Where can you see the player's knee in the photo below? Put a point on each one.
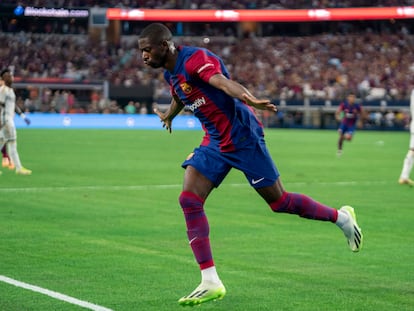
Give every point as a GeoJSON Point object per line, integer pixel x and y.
{"type": "Point", "coordinates": [182, 199]}
{"type": "Point", "coordinates": [348, 137]}
{"type": "Point", "coordinates": [190, 201]}
{"type": "Point", "coordinates": [281, 205]}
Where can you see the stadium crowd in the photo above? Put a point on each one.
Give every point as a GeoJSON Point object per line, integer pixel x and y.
{"type": "Point", "coordinates": [213, 4]}
{"type": "Point", "coordinates": [323, 66]}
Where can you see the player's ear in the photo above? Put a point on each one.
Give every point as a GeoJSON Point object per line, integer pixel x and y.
{"type": "Point", "coordinates": [169, 44]}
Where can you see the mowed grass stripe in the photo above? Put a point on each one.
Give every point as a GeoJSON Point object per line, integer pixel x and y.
{"type": "Point", "coordinates": [179, 186]}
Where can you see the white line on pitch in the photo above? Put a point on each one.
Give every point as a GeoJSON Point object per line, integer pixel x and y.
{"type": "Point", "coordinates": [178, 186]}
{"type": "Point", "coordinates": [53, 294]}
{"type": "Point", "coordinates": [80, 188]}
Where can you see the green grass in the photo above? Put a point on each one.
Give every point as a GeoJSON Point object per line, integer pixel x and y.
{"type": "Point", "coordinates": [99, 221]}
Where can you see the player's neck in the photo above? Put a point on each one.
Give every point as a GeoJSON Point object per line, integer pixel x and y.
{"type": "Point", "coordinates": [171, 60]}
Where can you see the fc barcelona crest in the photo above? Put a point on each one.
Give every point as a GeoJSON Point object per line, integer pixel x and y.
{"type": "Point", "coordinates": [186, 87]}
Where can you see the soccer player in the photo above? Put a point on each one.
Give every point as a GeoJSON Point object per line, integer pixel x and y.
{"type": "Point", "coordinates": [6, 161]}
{"type": "Point", "coordinates": [234, 138]}
{"type": "Point", "coordinates": [347, 114]}
{"type": "Point", "coordinates": [8, 133]}
{"type": "Point", "coordinates": [409, 158]}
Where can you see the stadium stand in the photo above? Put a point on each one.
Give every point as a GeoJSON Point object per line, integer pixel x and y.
{"type": "Point", "coordinates": [374, 60]}
{"type": "Point", "coordinates": [214, 4]}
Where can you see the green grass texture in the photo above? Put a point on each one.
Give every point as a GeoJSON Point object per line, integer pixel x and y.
{"type": "Point", "coordinates": [99, 220]}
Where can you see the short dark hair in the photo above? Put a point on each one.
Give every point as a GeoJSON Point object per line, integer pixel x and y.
{"type": "Point", "coordinates": [4, 71]}
{"type": "Point", "coordinates": [156, 32]}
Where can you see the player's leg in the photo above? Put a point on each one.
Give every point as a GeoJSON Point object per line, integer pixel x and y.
{"type": "Point", "coordinates": [203, 173]}
{"type": "Point", "coordinates": [408, 165]}
{"type": "Point", "coordinates": [281, 201]}
{"type": "Point", "coordinates": [5, 157]}
{"type": "Point", "coordinates": [263, 175]}
{"type": "Point", "coordinates": [348, 136]}
{"type": "Point", "coordinates": [272, 191]}
{"type": "Point", "coordinates": [14, 155]}
{"type": "Point", "coordinates": [195, 191]}
{"type": "Point", "coordinates": [10, 135]}
{"type": "Point", "coordinates": [349, 133]}
{"type": "Point", "coordinates": [2, 144]}
{"type": "Point", "coordinates": [6, 160]}
{"type": "Point", "coordinates": [340, 141]}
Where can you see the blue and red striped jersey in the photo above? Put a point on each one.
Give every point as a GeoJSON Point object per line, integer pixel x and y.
{"type": "Point", "coordinates": [228, 123]}
{"type": "Point", "coordinates": [351, 112]}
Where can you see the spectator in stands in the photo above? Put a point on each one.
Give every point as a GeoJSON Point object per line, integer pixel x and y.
{"type": "Point", "coordinates": [322, 66]}
{"type": "Point", "coordinates": [299, 63]}
{"type": "Point", "coordinates": [130, 107]}
{"type": "Point", "coordinates": [209, 4]}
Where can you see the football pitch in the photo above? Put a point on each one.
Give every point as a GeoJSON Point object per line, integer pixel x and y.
{"type": "Point", "coordinates": [98, 225]}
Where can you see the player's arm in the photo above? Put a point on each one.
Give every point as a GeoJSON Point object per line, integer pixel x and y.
{"type": "Point", "coordinates": [236, 90]}
{"type": "Point", "coordinates": [2, 99]}
{"type": "Point", "coordinates": [173, 110]}
{"type": "Point", "coordinates": [2, 103]}
{"type": "Point", "coordinates": [21, 114]}
{"type": "Point", "coordinates": [339, 113]}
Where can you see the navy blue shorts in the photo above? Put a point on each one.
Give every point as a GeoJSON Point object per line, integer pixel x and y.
{"type": "Point", "coordinates": [253, 160]}
{"type": "Point", "coordinates": [346, 129]}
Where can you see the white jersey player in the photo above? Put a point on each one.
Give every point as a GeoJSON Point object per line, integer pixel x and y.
{"type": "Point", "coordinates": [8, 134]}
{"type": "Point", "coordinates": [409, 158]}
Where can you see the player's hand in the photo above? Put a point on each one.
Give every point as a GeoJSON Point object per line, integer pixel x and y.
{"type": "Point", "coordinates": [166, 122]}
{"type": "Point", "coordinates": [262, 104]}
{"type": "Point", "coordinates": [339, 116]}
{"type": "Point", "coordinates": [27, 120]}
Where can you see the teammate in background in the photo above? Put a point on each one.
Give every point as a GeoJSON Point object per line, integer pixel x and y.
{"type": "Point", "coordinates": [8, 133]}
{"type": "Point", "coordinates": [347, 114]}
{"type": "Point", "coordinates": [234, 138]}
{"type": "Point", "coordinates": [409, 158]}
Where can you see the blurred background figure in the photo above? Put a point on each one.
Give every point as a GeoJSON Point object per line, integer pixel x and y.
{"type": "Point", "coordinates": [347, 114]}
{"type": "Point", "coordinates": [8, 134]}
{"type": "Point", "coordinates": [409, 158]}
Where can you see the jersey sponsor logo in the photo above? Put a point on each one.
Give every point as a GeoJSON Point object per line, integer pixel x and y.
{"type": "Point", "coordinates": [349, 115]}
{"type": "Point", "coordinates": [197, 103]}
{"type": "Point", "coordinates": [186, 87]}
{"type": "Point", "coordinates": [256, 181]}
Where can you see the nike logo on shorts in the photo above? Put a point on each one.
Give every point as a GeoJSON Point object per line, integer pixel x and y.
{"type": "Point", "coordinates": [256, 181]}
